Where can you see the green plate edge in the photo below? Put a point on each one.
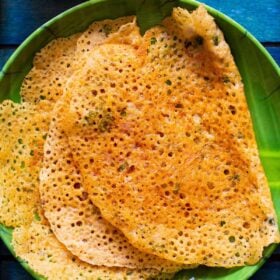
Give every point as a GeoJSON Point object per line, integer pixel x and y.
{"type": "Point", "coordinates": [6, 236]}
{"type": "Point", "coordinates": [247, 50]}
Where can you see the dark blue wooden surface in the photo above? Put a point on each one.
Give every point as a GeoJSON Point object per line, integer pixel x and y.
{"type": "Point", "coordinates": [18, 18]}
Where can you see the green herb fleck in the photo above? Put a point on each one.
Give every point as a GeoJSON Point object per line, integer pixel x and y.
{"type": "Point", "coordinates": [107, 29]}
{"type": "Point", "coordinates": [37, 217]}
{"type": "Point", "coordinates": [31, 153]}
{"type": "Point", "coordinates": [225, 79]}
{"type": "Point", "coordinates": [22, 165]}
{"type": "Point", "coordinates": [222, 223]}
{"type": "Point", "coordinates": [45, 136]}
{"type": "Point", "coordinates": [177, 188]}
{"type": "Point", "coordinates": [168, 82]}
{"type": "Point", "coordinates": [240, 135]}
{"type": "Point", "coordinates": [123, 112]}
{"type": "Point", "coordinates": [20, 141]}
{"type": "Point", "coordinates": [105, 123]}
{"type": "Point", "coordinates": [42, 97]}
{"type": "Point", "coordinates": [235, 177]}
{"type": "Point", "coordinates": [231, 239]}
{"type": "Point", "coordinates": [129, 272]}
{"type": "Point", "coordinates": [91, 117]}
{"type": "Point", "coordinates": [216, 40]}
{"type": "Point", "coordinates": [123, 166]}
{"type": "Point", "coordinates": [101, 118]}
{"type": "Point", "coordinates": [153, 40]}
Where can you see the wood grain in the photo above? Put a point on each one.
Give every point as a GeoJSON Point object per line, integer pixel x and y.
{"type": "Point", "coordinates": [275, 53]}
{"type": "Point", "coordinates": [12, 270]}
{"type": "Point", "coordinates": [4, 55]}
{"type": "Point", "coordinates": [18, 18]}
{"type": "Point", "coordinates": [261, 18]}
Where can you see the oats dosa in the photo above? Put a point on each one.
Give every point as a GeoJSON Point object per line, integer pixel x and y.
{"type": "Point", "coordinates": [75, 221]}
{"type": "Point", "coordinates": [38, 246]}
{"type": "Point", "coordinates": [23, 131]}
{"type": "Point", "coordinates": [163, 138]}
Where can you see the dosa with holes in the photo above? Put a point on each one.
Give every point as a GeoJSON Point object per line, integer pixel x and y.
{"type": "Point", "coordinates": [38, 246]}
{"type": "Point", "coordinates": [51, 67]}
{"type": "Point", "coordinates": [55, 63]}
{"type": "Point", "coordinates": [24, 128]}
{"type": "Point", "coordinates": [160, 130]}
{"type": "Point", "coordinates": [76, 222]}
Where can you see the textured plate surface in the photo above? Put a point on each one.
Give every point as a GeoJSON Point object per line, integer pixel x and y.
{"type": "Point", "coordinates": [261, 77]}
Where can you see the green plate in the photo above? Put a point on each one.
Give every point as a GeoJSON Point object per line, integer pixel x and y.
{"type": "Point", "coordinates": [260, 74]}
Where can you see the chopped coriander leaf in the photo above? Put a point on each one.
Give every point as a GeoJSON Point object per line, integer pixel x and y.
{"type": "Point", "coordinates": [105, 123]}
{"type": "Point", "coordinates": [168, 82]}
{"type": "Point", "coordinates": [225, 79]}
{"type": "Point", "coordinates": [240, 135]}
{"type": "Point", "coordinates": [177, 188]}
{"type": "Point", "coordinates": [215, 40]}
{"type": "Point", "coordinates": [101, 118]}
{"type": "Point", "coordinates": [153, 40]}
{"type": "Point", "coordinates": [31, 153]}
{"type": "Point", "coordinates": [222, 223]}
{"type": "Point", "coordinates": [107, 29]}
{"type": "Point", "coordinates": [42, 97]}
{"type": "Point", "coordinates": [235, 177]}
{"type": "Point", "coordinates": [91, 117]}
{"type": "Point", "coordinates": [231, 239]}
{"type": "Point", "coordinates": [20, 141]}
{"type": "Point", "coordinates": [123, 166]}
{"type": "Point", "coordinates": [37, 217]}
{"type": "Point", "coordinates": [123, 112]}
